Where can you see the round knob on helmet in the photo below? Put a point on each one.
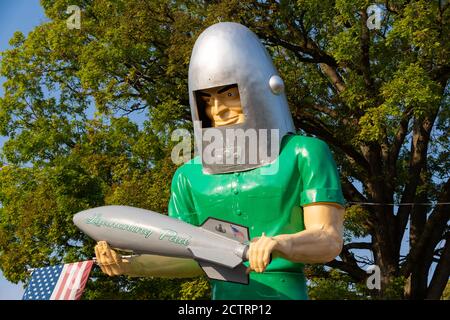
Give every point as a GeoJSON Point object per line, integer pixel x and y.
{"type": "Point", "coordinates": [276, 84]}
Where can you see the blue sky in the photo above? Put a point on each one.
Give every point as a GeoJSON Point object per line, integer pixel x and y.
{"type": "Point", "coordinates": [16, 15]}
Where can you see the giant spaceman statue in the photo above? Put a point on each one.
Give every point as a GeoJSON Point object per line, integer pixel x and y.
{"type": "Point", "coordinates": [291, 200]}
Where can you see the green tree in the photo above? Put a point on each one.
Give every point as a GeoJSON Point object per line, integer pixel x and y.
{"type": "Point", "coordinates": [446, 293]}
{"type": "Point", "coordinates": [378, 97]}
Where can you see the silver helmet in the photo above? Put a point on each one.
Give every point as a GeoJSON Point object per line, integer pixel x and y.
{"type": "Point", "coordinates": [226, 54]}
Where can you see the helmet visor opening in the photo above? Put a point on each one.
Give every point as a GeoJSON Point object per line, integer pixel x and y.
{"type": "Point", "coordinates": [219, 106]}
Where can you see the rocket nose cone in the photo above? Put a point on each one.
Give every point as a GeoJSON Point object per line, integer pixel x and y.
{"type": "Point", "coordinates": [79, 219]}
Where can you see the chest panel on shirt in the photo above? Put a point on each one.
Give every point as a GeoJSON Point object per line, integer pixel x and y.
{"type": "Point", "coordinates": [263, 202]}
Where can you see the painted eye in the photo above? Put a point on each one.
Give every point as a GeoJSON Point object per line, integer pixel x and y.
{"type": "Point", "coordinates": [230, 94]}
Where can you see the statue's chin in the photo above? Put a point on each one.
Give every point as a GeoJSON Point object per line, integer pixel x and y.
{"type": "Point", "coordinates": [234, 120]}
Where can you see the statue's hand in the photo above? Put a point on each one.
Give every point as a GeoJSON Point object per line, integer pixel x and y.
{"type": "Point", "coordinates": [259, 252]}
{"type": "Point", "coordinates": [109, 261]}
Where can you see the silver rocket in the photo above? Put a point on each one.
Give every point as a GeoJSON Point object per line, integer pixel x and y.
{"type": "Point", "coordinates": [220, 247]}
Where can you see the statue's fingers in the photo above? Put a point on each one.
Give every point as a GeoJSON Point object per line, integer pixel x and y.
{"type": "Point", "coordinates": [252, 257]}
{"type": "Point", "coordinates": [260, 259]}
{"type": "Point", "coordinates": [107, 259]}
{"type": "Point", "coordinates": [100, 254]}
{"type": "Point", "coordinates": [97, 256]}
{"type": "Point", "coordinates": [99, 250]}
{"type": "Point", "coordinates": [106, 269]}
{"type": "Point", "coordinates": [255, 239]}
{"type": "Point", "coordinates": [97, 253]}
{"type": "Point", "coordinates": [248, 270]}
{"type": "Point", "coordinates": [266, 259]}
{"type": "Point", "coordinates": [105, 245]}
{"type": "Point", "coordinates": [117, 258]}
{"type": "Point", "coordinates": [116, 266]}
{"type": "Point", "coordinates": [106, 254]}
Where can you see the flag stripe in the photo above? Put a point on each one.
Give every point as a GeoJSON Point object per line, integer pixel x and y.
{"type": "Point", "coordinates": [64, 281]}
{"type": "Point", "coordinates": [76, 282]}
{"type": "Point", "coordinates": [74, 285]}
{"type": "Point", "coordinates": [68, 285]}
{"type": "Point", "coordinates": [59, 286]}
{"type": "Point", "coordinates": [84, 277]}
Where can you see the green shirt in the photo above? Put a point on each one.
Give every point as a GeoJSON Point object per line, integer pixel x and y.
{"type": "Point", "coordinates": [304, 173]}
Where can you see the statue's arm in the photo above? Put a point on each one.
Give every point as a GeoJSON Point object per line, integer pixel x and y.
{"type": "Point", "coordinates": [113, 264]}
{"type": "Point", "coordinates": [320, 242]}
{"type": "Point", "coordinates": [322, 239]}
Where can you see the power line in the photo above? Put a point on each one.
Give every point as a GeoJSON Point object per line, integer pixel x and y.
{"type": "Point", "coordinates": [400, 204]}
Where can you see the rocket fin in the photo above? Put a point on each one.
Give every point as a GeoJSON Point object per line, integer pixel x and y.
{"type": "Point", "coordinates": [227, 229]}
{"type": "Point", "coordinates": [225, 259]}
{"type": "Point", "coordinates": [217, 272]}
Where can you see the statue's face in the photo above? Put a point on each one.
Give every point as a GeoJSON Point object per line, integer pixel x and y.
{"type": "Point", "coordinates": [223, 105]}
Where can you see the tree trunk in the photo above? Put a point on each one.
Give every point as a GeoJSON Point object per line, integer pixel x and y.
{"type": "Point", "coordinates": [385, 258]}
{"type": "Point", "coordinates": [441, 274]}
{"type": "Point", "coordinates": [419, 274]}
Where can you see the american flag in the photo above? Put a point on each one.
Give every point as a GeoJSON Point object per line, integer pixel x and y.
{"type": "Point", "coordinates": [62, 282]}
{"type": "Point", "coordinates": [236, 232]}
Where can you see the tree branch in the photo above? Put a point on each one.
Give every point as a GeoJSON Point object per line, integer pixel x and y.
{"type": "Point", "coordinates": [358, 245]}
{"type": "Point", "coordinates": [349, 265]}
{"type": "Point", "coordinates": [396, 8]}
{"type": "Point", "coordinates": [297, 50]}
{"type": "Point", "coordinates": [441, 74]}
{"type": "Point", "coordinates": [365, 49]}
{"type": "Point", "coordinates": [332, 113]}
{"type": "Point", "coordinates": [351, 192]}
{"type": "Point", "coordinates": [333, 76]}
{"type": "Point", "coordinates": [327, 63]}
{"type": "Point", "coordinates": [398, 142]}
{"type": "Point", "coordinates": [419, 148]}
{"type": "Point", "coordinates": [390, 8]}
{"type": "Point", "coordinates": [441, 274]}
{"type": "Point", "coordinates": [432, 233]}
{"type": "Point", "coordinates": [355, 272]}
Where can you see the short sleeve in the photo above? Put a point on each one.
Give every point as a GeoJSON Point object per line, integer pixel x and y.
{"type": "Point", "coordinates": [318, 172]}
{"type": "Point", "coordinates": [181, 204]}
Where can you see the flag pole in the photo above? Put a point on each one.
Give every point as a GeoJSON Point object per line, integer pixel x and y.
{"type": "Point", "coordinates": [94, 258]}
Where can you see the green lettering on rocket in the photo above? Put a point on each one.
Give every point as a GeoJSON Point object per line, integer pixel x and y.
{"type": "Point", "coordinates": [166, 234]}
{"type": "Point", "coordinates": [172, 236]}
{"type": "Point", "coordinates": [98, 221]}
